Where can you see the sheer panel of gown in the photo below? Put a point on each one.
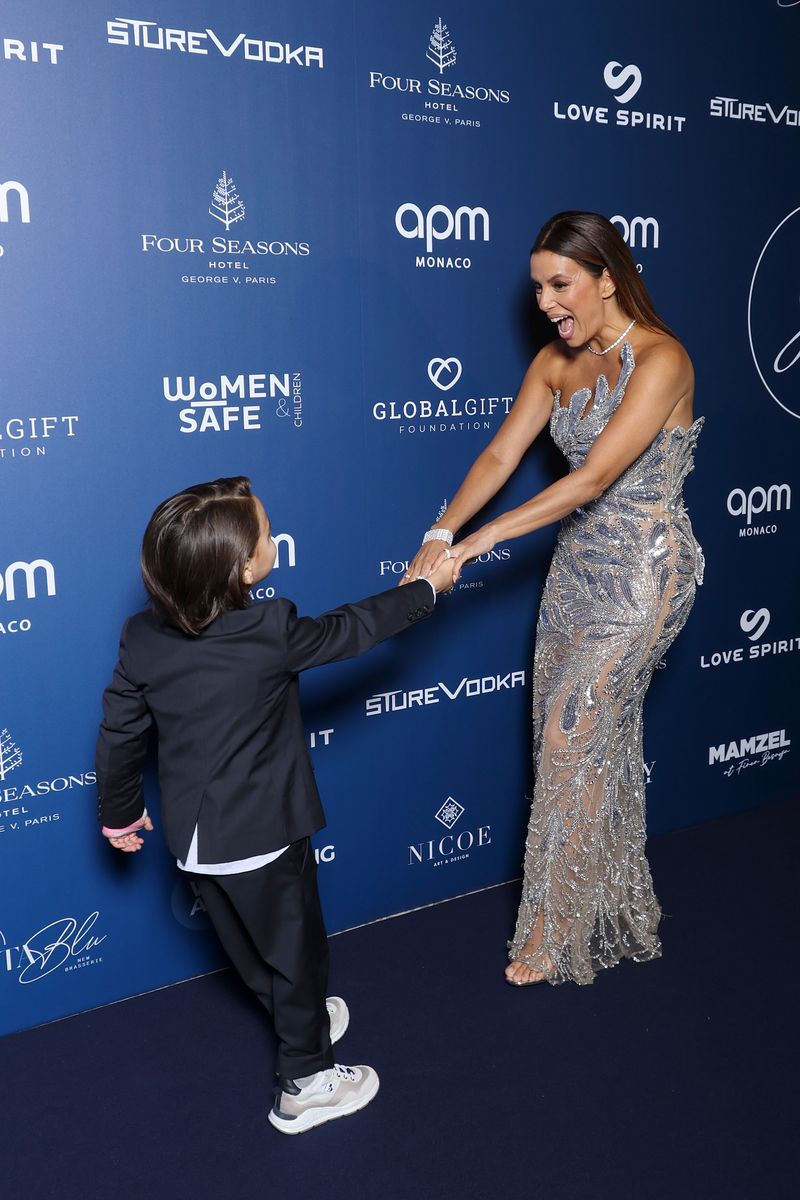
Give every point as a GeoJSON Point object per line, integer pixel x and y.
{"type": "Point", "coordinates": [619, 589]}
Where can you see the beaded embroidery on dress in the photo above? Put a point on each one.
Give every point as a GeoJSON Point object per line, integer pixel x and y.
{"type": "Point", "coordinates": [619, 590]}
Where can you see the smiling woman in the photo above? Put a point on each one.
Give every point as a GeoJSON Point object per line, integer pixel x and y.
{"type": "Point", "coordinates": [620, 587]}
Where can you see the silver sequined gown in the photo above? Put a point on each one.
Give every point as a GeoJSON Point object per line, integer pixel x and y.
{"type": "Point", "coordinates": [619, 590]}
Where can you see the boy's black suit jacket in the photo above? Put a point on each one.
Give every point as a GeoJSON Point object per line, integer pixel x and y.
{"type": "Point", "coordinates": [232, 757]}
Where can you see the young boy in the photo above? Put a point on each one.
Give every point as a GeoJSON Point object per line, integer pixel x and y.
{"type": "Point", "coordinates": [216, 677]}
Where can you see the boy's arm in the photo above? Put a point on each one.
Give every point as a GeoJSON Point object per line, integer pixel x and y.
{"type": "Point", "coordinates": [121, 750]}
{"type": "Point", "coordinates": [354, 628]}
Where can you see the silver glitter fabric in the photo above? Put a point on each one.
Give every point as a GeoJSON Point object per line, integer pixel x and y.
{"type": "Point", "coordinates": [620, 587]}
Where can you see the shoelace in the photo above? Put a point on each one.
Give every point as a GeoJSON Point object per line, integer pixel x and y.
{"type": "Point", "coordinates": [345, 1073]}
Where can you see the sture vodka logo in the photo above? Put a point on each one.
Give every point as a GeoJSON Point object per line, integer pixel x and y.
{"type": "Point", "coordinates": [148, 35]}
{"type": "Point", "coordinates": [398, 701]}
{"type": "Point", "coordinates": [625, 83]}
{"type": "Point", "coordinates": [451, 848]}
{"type": "Point", "coordinates": [772, 318]}
{"type": "Point", "coordinates": [234, 401]}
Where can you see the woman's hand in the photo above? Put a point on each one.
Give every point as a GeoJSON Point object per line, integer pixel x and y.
{"type": "Point", "coordinates": [480, 542]}
{"type": "Point", "coordinates": [427, 559]}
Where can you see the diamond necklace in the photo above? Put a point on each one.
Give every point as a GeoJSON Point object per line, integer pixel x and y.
{"type": "Point", "coordinates": [624, 333]}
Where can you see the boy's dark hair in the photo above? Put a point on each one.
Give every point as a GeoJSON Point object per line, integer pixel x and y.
{"type": "Point", "coordinates": [195, 549]}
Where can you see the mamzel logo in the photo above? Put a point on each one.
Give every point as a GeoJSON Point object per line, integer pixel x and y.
{"type": "Point", "coordinates": [451, 848]}
{"type": "Point", "coordinates": [754, 751]}
{"type": "Point", "coordinates": [624, 82]}
{"type": "Point", "coordinates": [147, 35]}
{"type": "Point", "coordinates": [234, 401]}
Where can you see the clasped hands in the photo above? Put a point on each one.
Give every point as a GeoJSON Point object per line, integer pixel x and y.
{"type": "Point", "coordinates": [442, 564]}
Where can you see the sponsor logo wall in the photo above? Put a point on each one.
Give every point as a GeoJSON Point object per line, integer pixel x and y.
{"type": "Point", "coordinates": [312, 268]}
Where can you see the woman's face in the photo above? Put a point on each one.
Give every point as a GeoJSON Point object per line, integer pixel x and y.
{"type": "Point", "coordinates": [568, 295]}
{"type": "Point", "coordinates": [262, 560]}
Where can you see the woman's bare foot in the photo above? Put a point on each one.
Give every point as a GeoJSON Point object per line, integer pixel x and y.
{"type": "Point", "coordinates": [521, 975]}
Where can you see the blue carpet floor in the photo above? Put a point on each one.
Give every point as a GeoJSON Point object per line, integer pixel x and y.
{"type": "Point", "coordinates": [672, 1080]}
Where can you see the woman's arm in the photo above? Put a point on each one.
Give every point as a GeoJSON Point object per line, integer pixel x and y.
{"type": "Point", "coordinates": [494, 466]}
{"type": "Point", "coordinates": [661, 382]}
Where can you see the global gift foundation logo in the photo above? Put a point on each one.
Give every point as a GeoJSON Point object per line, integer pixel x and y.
{"type": "Point", "coordinates": [447, 103]}
{"type": "Point", "coordinates": [225, 260]}
{"type": "Point", "coordinates": [443, 413]}
{"type": "Point", "coordinates": [773, 319]}
{"type": "Point", "coordinates": [452, 847]}
{"type": "Point", "coordinates": [624, 82]}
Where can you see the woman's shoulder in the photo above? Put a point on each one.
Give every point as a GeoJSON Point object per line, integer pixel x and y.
{"type": "Point", "coordinates": [551, 364]}
{"type": "Point", "coordinates": [662, 351]}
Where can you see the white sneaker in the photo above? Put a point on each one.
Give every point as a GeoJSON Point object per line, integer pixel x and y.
{"type": "Point", "coordinates": [339, 1015]}
{"type": "Point", "coordinates": [337, 1092]}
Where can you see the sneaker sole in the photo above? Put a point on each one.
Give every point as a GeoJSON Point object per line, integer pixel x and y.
{"type": "Point", "coordinates": [309, 1120]}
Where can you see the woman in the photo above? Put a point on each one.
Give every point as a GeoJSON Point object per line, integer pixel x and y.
{"type": "Point", "coordinates": [620, 588]}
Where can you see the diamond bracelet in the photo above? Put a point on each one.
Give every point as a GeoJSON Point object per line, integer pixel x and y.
{"type": "Point", "coordinates": [438, 535]}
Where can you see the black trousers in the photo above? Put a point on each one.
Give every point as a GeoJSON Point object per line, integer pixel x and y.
{"type": "Point", "coordinates": [271, 927]}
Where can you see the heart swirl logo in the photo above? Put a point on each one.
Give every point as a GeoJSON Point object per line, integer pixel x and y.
{"type": "Point", "coordinates": [444, 373]}
{"type": "Point", "coordinates": [628, 78]}
{"type": "Point", "coordinates": [754, 623]}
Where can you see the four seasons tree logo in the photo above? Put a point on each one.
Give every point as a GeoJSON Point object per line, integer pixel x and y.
{"type": "Point", "coordinates": [441, 51]}
{"type": "Point", "coordinates": [10, 755]}
{"type": "Point", "coordinates": [226, 205]}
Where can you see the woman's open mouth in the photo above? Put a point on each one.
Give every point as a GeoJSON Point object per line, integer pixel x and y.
{"type": "Point", "coordinates": [566, 326]}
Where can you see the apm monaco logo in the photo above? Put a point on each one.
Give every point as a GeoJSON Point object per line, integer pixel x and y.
{"type": "Point", "coordinates": [445, 413]}
{"type": "Point", "coordinates": [286, 556]}
{"type": "Point", "coordinates": [772, 315]}
{"type": "Point", "coordinates": [439, 101]}
{"type": "Point", "coordinates": [756, 751]}
{"type": "Point", "coordinates": [231, 261]}
{"type": "Point", "coordinates": [440, 224]}
{"type": "Point", "coordinates": [392, 702]}
{"type": "Point", "coordinates": [639, 233]}
{"type": "Point", "coordinates": [43, 53]}
{"type": "Point", "coordinates": [452, 847]}
{"type": "Point", "coordinates": [65, 944]}
{"type": "Point", "coordinates": [30, 437]}
{"type": "Point", "coordinates": [28, 580]}
{"type": "Point", "coordinates": [147, 35]}
{"type": "Point", "coordinates": [15, 798]}
{"type": "Point", "coordinates": [624, 82]}
{"type": "Point", "coordinates": [15, 204]}
{"type": "Point", "coordinates": [753, 622]}
{"type": "Point", "coordinates": [775, 497]}
{"type": "Point", "coordinates": [234, 401]}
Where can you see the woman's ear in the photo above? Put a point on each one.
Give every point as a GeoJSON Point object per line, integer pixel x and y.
{"type": "Point", "coordinates": [247, 575]}
{"type": "Point", "coordinates": [607, 285]}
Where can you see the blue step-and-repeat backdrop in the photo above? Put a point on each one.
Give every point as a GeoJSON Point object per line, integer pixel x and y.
{"type": "Point", "coordinates": [289, 239]}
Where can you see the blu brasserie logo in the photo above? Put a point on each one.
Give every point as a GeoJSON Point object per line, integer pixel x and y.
{"type": "Point", "coordinates": [624, 81]}
{"type": "Point", "coordinates": [233, 400]}
{"type": "Point", "coordinates": [62, 943]}
{"type": "Point", "coordinates": [774, 343]}
{"type": "Point", "coordinates": [451, 848]}
{"type": "Point", "coordinates": [147, 35]}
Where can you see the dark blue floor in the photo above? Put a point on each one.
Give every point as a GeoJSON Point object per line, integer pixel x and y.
{"type": "Point", "coordinates": [674, 1079]}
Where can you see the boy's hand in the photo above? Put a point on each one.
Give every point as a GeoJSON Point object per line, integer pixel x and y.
{"type": "Point", "coordinates": [129, 842]}
{"type": "Point", "coordinates": [445, 576]}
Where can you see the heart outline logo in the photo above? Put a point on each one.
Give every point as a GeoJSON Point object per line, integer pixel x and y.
{"type": "Point", "coordinates": [437, 367]}
{"type": "Point", "coordinates": [629, 78]}
{"type": "Point", "coordinates": [754, 623]}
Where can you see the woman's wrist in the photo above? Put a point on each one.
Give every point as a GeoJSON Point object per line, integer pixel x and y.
{"type": "Point", "coordinates": [439, 533]}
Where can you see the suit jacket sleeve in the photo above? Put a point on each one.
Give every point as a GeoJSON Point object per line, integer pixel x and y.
{"type": "Point", "coordinates": [122, 746]}
{"type": "Point", "coordinates": [354, 628]}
